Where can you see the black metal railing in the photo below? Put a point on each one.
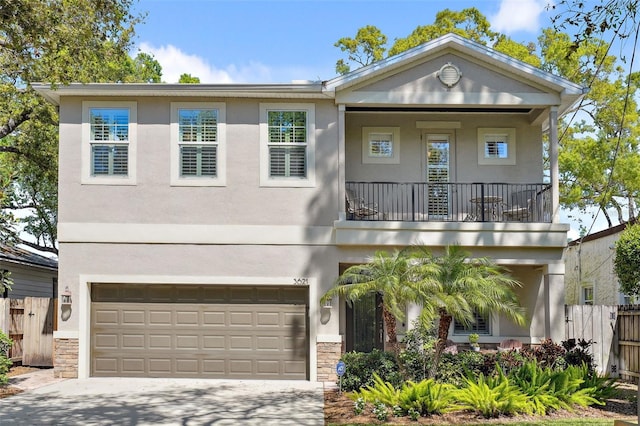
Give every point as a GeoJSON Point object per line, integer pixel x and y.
{"type": "Point", "coordinates": [448, 202]}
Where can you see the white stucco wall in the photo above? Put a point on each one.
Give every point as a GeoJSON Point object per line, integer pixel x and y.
{"type": "Point", "coordinates": [591, 264]}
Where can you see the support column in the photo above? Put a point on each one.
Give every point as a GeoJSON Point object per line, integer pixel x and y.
{"type": "Point", "coordinates": [554, 326]}
{"type": "Point", "coordinates": [341, 162]}
{"type": "Point", "coordinates": [553, 164]}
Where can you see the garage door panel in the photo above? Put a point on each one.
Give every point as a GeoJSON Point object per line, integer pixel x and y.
{"type": "Point", "coordinates": [231, 340]}
{"type": "Point", "coordinates": [160, 341]}
{"type": "Point", "coordinates": [106, 317]}
{"type": "Point", "coordinates": [160, 317]}
{"type": "Point", "coordinates": [106, 341]}
{"type": "Point", "coordinates": [187, 318]}
{"type": "Point", "coordinates": [133, 341]}
{"type": "Point", "coordinates": [133, 364]}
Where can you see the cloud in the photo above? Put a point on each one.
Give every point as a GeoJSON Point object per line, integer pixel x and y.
{"type": "Point", "coordinates": [175, 62]}
{"type": "Point", "coordinates": [518, 15]}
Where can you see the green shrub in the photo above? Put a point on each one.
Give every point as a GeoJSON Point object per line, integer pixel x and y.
{"type": "Point", "coordinates": [492, 396]}
{"type": "Point", "coordinates": [507, 362]}
{"type": "Point", "coordinates": [5, 362]}
{"type": "Point", "coordinates": [380, 391]}
{"type": "Point", "coordinates": [454, 368]}
{"type": "Point", "coordinates": [537, 384]}
{"type": "Point", "coordinates": [417, 356]}
{"type": "Point", "coordinates": [362, 365]}
{"type": "Point", "coordinates": [426, 397]}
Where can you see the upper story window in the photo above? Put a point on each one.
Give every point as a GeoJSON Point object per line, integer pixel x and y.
{"type": "Point", "coordinates": [109, 143]}
{"type": "Point", "coordinates": [497, 146]}
{"type": "Point", "coordinates": [198, 139]}
{"type": "Point", "coordinates": [287, 144]}
{"type": "Point", "coordinates": [381, 145]}
{"type": "Point", "coordinates": [587, 295]}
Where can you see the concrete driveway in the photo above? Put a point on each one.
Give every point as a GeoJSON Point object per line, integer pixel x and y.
{"type": "Point", "coordinates": [129, 401]}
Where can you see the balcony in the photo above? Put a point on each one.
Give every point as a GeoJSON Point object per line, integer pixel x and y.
{"type": "Point", "coordinates": [448, 202]}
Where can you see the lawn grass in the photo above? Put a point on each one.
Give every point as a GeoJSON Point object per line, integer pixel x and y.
{"type": "Point", "coordinates": [581, 421]}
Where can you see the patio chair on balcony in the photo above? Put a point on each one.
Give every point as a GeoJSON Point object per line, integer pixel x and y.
{"type": "Point", "coordinates": [357, 208]}
{"type": "Point", "coordinates": [521, 207]}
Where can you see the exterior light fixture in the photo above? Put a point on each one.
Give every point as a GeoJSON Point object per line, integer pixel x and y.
{"type": "Point", "coordinates": [65, 297]}
{"type": "Point", "coordinates": [328, 304]}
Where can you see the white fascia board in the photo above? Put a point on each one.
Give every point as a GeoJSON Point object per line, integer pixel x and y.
{"type": "Point", "coordinates": [53, 93]}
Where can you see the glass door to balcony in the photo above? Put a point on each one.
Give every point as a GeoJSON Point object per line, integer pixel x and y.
{"type": "Point", "coordinates": [437, 194]}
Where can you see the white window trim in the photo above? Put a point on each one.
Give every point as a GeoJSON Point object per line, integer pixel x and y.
{"type": "Point", "coordinates": [221, 178]}
{"type": "Point", "coordinates": [86, 177]}
{"type": "Point", "coordinates": [510, 135]}
{"type": "Point", "coordinates": [395, 145]}
{"type": "Point", "coordinates": [583, 299]}
{"type": "Point", "coordinates": [265, 179]}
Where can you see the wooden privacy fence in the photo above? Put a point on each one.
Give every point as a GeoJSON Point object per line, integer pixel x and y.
{"type": "Point", "coordinates": [615, 331]}
{"type": "Point", "coordinates": [29, 323]}
{"type": "Point", "coordinates": [629, 342]}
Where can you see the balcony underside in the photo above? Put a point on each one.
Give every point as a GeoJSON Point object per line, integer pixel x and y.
{"type": "Point", "coordinates": [472, 234]}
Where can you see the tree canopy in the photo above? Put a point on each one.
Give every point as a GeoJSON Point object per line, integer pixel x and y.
{"type": "Point", "coordinates": [627, 260]}
{"type": "Point", "coordinates": [57, 42]}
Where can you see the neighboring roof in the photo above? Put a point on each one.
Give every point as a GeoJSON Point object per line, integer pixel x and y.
{"type": "Point", "coordinates": [601, 234]}
{"type": "Point", "coordinates": [24, 257]}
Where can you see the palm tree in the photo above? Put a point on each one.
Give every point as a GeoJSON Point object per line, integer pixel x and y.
{"type": "Point", "coordinates": [455, 287]}
{"type": "Point", "coordinates": [384, 273]}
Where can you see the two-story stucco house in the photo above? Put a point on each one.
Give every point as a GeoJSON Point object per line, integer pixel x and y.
{"type": "Point", "coordinates": [590, 273]}
{"type": "Point", "coordinates": [199, 225]}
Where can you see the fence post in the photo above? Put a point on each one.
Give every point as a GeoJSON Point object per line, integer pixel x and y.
{"type": "Point", "coordinates": [4, 316]}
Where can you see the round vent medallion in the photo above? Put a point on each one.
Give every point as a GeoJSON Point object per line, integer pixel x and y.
{"type": "Point", "coordinates": [449, 75]}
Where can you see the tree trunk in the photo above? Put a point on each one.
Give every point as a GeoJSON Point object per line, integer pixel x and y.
{"type": "Point", "coordinates": [390, 323]}
{"type": "Point", "coordinates": [391, 326]}
{"type": "Point", "coordinates": [443, 335]}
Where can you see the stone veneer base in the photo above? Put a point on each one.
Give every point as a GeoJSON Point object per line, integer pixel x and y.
{"type": "Point", "coordinates": [329, 354]}
{"type": "Point", "coordinates": [65, 358]}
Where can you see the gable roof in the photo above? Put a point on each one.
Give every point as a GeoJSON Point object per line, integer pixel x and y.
{"type": "Point", "coordinates": [569, 92]}
{"type": "Point", "coordinates": [20, 256]}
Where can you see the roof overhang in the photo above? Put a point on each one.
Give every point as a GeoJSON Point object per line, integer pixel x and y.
{"type": "Point", "coordinates": [53, 93]}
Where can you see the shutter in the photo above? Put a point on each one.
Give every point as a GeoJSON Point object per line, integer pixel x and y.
{"type": "Point", "coordinates": [120, 160]}
{"type": "Point", "coordinates": [99, 160]}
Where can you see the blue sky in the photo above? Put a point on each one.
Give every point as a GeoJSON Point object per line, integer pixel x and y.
{"type": "Point", "coordinates": [266, 41]}
{"type": "Point", "coordinates": [277, 41]}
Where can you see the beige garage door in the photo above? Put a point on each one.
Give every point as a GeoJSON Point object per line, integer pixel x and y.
{"type": "Point", "coordinates": [199, 331]}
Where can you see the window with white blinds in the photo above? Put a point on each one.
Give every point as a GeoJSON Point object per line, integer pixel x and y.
{"type": "Point", "coordinates": [480, 326]}
{"type": "Point", "coordinates": [287, 144]}
{"type": "Point", "coordinates": [198, 137]}
{"type": "Point", "coordinates": [109, 142]}
{"type": "Point", "coordinates": [109, 138]}
{"type": "Point", "coordinates": [198, 143]}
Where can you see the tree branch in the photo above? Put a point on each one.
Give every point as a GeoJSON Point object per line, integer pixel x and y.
{"type": "Point", "coordinates": [38, 246]}
{"type": "Point", "coordinates": [14, 122]}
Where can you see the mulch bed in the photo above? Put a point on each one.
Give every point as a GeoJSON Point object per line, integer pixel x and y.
{"type": "Point", "coordinates": [338, 408]}
{"type": "Point", "coordinates": [17, 370]}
